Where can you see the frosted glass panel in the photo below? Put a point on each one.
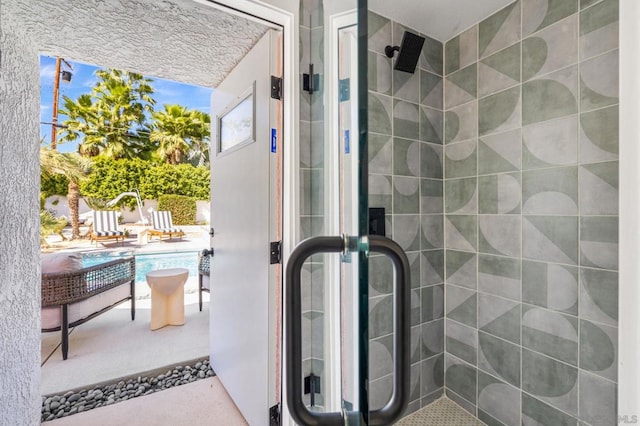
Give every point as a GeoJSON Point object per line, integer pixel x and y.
{"type": "Point", "coordinates": [236, 125]}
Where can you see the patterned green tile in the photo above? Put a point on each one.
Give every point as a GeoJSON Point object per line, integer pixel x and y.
{"type": "Point", "coordinates": [452, 55]}
{"type": "Point", "coordinates": [379, 29]}
{"type": "Point", "coordinates": [431, 90]}
{"type": "Point", "coordinates": [461, 159]}
{"type": "Point", "coordinates": [499, 71]}
{"type": "Point", "coordinates": [432, 56]}
{"type": "Point", "coordinates": [381, 192]}
{"type": "Point", "coordinates": [598, 400]}
{"type": "Point", "coordinates": [599, 81]}
{"type": "Point", "coordinates": [461, 196]}
{"type": "Point", "coordinates": [550, 238]}
{"type": "Point", "coordinates": [499, 317]}
{"type": "Point", "coordinates": [550, 333]}
{"type": "Point", "coordinates": [550, 286]}
{"type": "Point", "coordinates": [431, 161]}
{"type": "Point", "coordinates": [380, 154]}
{"type": "Point", "coordinates": [379, 73]}
{"type": "Point", "coordinates": [432, 302]}
{"type": "Point", "coordinates": [536, 17]}
{"type": "Point", "coordinates": [432, 267]}
{"type": "Point", "coordinates": [500, 30]}
{"type": "Point", "coordinates": [551, 49]}
{"type": "Point", "coordinates": [380, 110]}
{"type": "Point", "coordinates": [550, 191]}
{"type": "Point", "coordinates": [406, 86]}
{"type": "Point", "coordinates": [499, 276]}
{"type": "Point", "coordinates": [537, 412]}
{"type": "Point", "coordinates": [599, 189]}
{"type": "Point", "coordinates": [599, 242]}
{"type": "Point", "coordinates": [499, 112]}
{"type": "Point", "coordinates": [551, 381]}
{"type": "Point", "coordinates": [461, 86]}
{"type": "Point", "coordinates": [599, 296]}
{"type": "Point", "coordinates": [498, 399]}
{"type": "Point", "coordinates": [380, 276]}
{"type": "Point", "coordinates": [380, 316]}
{"type": "Point", "coordinates": [431, 199]}
{"type": "Point", "coordinates": [599, 28]}
{"type": "Point", "coordinates": [406, 157]}
{"type": "Point", "coordinates": [432, 373]}
{"type": "Point", "coordinates": [500, 152]}
{"type": "Point", "coordinates": [461, 378]}
{"type": "Point", "coordinates": [432, 338]}
{"type": "Point", "coordinates": [461, 268]}
{"type": "Point", "coordinates": [553, 96]}
{"type": "Point", "coordinates": [432, 231]}
{"type": "Point", "coordinates": [406, 195]}
{"type": "Point", "coordinates": [431, 125]}
{"type": "Point", "coordinates": [598, 349]}
{"type": "Point", "coordinates": [406, 119]}
{"type": "Point", "coordinates": [499, 234]}
{"type": "Point", "coordinates": [550, 143]}
{"type": "Point", "coordinates": [499, 194]}
{"type": "Point", "coordinates": [461, 305]}
{"type": "Point", "coordinates": [499, 358]}
{"type": "Point", "coordinates": [461, 50]}
{"type": "Point", "coordinates": [599, 135]}
{"type": "Point", "coordinates": [461, 232]}
{"type": "Point", "coordinates": [406, 231]}
{"type": "Point", "coordinates": [461, 123]}
{"type": "Point", "coordinates": [461, 341]}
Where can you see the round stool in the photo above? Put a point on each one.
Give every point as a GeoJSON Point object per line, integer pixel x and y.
{"type": "Point", "coordinates": [167, 296]}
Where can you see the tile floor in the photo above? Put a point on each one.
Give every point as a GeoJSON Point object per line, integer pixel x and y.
{"type": "Point", "coordinates": [442, 412]}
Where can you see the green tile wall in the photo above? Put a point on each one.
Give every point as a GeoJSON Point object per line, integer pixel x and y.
{"type": "Point", "coordinates": [530, 167]}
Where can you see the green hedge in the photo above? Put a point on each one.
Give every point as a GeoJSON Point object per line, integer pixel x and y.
{"type": "Point", "coordinates": [109, 178]}
{"type": "Point", "coordinates": [183, 209]}
{"type": "Point", "coordinates": [56, 184]}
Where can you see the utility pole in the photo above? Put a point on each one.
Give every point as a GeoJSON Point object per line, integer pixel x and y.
{"type": "Point", "coordinates": [56, 91]}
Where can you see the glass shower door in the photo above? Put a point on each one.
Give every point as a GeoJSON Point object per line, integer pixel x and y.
{"type": "Point", "coordinates": [326, 279]}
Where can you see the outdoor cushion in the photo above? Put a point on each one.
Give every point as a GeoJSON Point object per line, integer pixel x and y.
{"type": "Point", "coordinates": [60, 262]}
{"type": "Point", "coordinates": [162, 221]}
{"type": "Point", "coordinates": [51, 317]}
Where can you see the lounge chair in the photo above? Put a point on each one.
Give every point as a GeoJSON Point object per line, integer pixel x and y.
{"type": "Point", "coordinates": [204, 272]}
{"type": "Point", "coordinates": [162, 224]}
{"type": "Point", "coordinates": [72, 296]}
{"type": "Point", "coordinates": [105, 226]}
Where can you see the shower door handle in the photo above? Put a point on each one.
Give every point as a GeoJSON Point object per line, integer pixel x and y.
{"type": "Point", "coordinates": [394, 408]}
{"type": "Point", "coordinates": [293, 330]}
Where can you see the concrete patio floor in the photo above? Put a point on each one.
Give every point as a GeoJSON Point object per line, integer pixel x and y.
{"type": "Point", "coordinates": [111, 346]}
{"type": "Point", "coordinates": [203, 402]}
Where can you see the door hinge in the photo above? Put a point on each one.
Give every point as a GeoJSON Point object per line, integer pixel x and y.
{"type": "Point", "coordinates": [344, 90]}
{"type": "Point", "coordinates": [312, 386]}
{"type": "Point", "coordinates": [310, 81]}
{"type": "Point", "coordinates": [274, 415]}
{"type": "Point", "coordinates": [275, 252]}
{"type": "Point", "coordinates": [276, 87]}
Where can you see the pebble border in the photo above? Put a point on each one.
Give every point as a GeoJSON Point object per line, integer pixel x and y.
{"type": "Point", "coordinates": [72, 402]}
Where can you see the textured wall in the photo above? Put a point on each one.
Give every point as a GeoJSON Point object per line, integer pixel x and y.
{"type": "Point", "coordinates": [175, 40]}
{"type": "Point", "coordinates": [405, 177]}
{"type": "Point", "coordinates": [531, 204]}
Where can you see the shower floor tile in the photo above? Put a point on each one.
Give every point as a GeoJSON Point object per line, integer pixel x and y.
{"type": "Point", "coordinates": [442, 412]}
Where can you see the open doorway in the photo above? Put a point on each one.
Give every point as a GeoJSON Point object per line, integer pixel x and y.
{"type": "Point", "coordinates": [250, 31]}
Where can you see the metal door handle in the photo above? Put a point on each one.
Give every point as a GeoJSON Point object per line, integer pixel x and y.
{"type": "Point", "coordinates": [293, 331]}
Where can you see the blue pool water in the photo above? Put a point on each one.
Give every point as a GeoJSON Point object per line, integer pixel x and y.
{"type": "Point", "coordinates": [149, 262]}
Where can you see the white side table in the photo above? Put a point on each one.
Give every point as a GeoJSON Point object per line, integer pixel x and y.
{"type": "Point", "coordinates": [167, 296]}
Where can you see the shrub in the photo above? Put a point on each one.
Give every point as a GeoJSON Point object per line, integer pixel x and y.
{"type": "Point", "coordinates": [56, 184]}
{"type": "Point", "coordinates": [182, 208]}
{"type": "Point", "coordinates": [109, 178]}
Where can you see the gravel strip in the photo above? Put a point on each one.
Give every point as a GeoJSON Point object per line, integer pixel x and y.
{"type": "Point", "coordinates": [56, 406]}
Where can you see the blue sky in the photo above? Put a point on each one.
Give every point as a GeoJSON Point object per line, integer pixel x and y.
{"type": "Point", "coordinates": [166, 92]}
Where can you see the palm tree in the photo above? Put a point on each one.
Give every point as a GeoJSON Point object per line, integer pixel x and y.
{"type": "Point", "coordinates": [74, 168]}
{"type": "Point", "coordinates": [179, 131]}
{"type": "Point", "coordinates": [111, 120]}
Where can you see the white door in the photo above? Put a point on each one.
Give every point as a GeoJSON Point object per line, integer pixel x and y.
{"type": "Point", "coordinates": [245, 197]}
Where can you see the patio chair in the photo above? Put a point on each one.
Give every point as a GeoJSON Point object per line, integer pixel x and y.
{"type": "Point", "coordinates": [204, 282]}
{"type": "Point", "coordinates": [105, 226]}
{"type": "Point", "coordinates": [72, 296]}
{"type": "Point", "coordinates": [162, 224]}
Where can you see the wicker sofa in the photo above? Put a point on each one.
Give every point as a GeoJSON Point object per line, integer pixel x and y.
{"type": "Point", "coordinates": [72, 296]}
{"type": "Point", "coordinates": [204, 272]}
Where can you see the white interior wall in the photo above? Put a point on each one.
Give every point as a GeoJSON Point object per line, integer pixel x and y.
{"type": "Point", "coordinates": [154, 38]}
{"type": "Point", "coordinates": [629, 314]}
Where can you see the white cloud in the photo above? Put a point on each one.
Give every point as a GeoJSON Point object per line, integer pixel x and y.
{"type": "Point", "coordinates": [47, 72]}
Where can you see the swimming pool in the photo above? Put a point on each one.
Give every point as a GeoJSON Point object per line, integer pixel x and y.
{"type": "Point", "coordinates": [146, 262]}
